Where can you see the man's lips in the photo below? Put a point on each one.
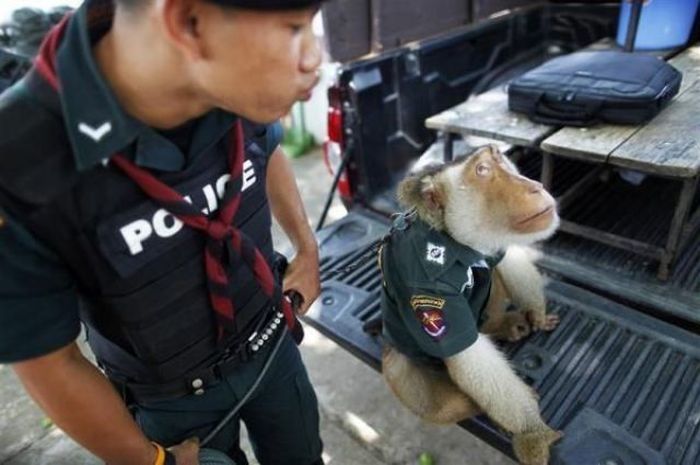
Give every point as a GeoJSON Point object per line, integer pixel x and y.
{"type": "Point", "coordinates": [306, 93]}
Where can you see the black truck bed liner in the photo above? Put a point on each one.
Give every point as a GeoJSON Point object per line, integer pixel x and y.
{"type": "Point", "coordinates": [641, 212]}
{"type": "Point", "coordinates": [623, 386]}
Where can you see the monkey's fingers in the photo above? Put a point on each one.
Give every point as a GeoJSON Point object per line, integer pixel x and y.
{"type": "Point", "coordinates": [551, 322]}
{"type": "Point", "coordinates": [533, 448]}
{"type": "Point", "coordinates": [536, 318]}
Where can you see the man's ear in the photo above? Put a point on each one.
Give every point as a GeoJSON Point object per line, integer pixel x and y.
{"type": "Point", "coordinates": [433, 194]}
{"type": "Point", "coordinates": [181, 19]}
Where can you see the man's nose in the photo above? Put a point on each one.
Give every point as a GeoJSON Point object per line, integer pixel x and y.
{"type": "Point", "coordinates": [311, 58]}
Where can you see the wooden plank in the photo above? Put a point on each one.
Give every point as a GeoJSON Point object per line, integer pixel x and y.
{"type": "Point", "coordinates": [596, 143]}
{"type": "Point", "coordinates": [487, 115]}
{"type": "Point", "coordinates": [608, 43]}
{"type": "Point", "coordinates": [688, 63]}
{"type": "Point", "coordinates": [613, 240]}
{"type": "Point", "coordinates": [669, 145]}
{"type": "Point", "coordinates": [592, 144]}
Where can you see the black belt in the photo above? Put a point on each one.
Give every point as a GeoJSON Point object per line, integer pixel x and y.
{"type": "Point", "coordinates": [200, 380]}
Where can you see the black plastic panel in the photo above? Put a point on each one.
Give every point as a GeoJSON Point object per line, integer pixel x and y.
{"type": "Point", "coordinates": [624, 387]}
{"type": "Point", "coordinates": [391, 95]}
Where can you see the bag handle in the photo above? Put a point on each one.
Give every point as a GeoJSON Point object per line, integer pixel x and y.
{"type": "Point", "coordinates": [547, 114]}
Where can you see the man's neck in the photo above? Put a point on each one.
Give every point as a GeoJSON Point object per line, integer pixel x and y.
{"type": "Point", "coordinates": [146, 76]}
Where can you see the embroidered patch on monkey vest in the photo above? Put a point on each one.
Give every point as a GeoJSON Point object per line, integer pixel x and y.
{"type": "Point", "coordinates": [435, 253]}
{"type": "Point", "coordinates": [429, 312]}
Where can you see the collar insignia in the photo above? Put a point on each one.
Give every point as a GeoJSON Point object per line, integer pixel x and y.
{"type": "Point", "coordinates": [95, 133]}
{"type": "Point", "coordinates": [435, 253]}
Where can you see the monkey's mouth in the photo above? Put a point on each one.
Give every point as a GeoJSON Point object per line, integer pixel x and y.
{"type": "Point", "coordinates": [537, 215]}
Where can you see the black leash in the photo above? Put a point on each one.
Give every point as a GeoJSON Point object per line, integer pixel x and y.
{"type": "Point", "coordinates": [402, 221]}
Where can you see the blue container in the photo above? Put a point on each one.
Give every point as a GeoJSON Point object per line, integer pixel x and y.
{"type": "Point", "coordinates": [663, 23]}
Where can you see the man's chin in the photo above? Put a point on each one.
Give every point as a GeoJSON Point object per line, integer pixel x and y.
{"type": "Point", "coordinates": [260, 117]}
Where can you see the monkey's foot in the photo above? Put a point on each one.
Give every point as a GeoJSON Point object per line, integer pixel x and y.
{"type": "Point", "coordinates": [533, 448]}
{"type": "Point", "coordinates": [539, 320]}
{"type": "Point", "coordinates": [513, 328]}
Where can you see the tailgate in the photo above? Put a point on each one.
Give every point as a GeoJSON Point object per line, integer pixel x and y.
{"type": "Point", "coordinates": [624, 387]}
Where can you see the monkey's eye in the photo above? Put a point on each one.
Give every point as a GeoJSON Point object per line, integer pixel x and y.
{"type": "Point", "coordinates": [483, 169]}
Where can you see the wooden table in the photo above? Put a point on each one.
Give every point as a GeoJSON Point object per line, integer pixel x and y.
{"type": "Point", "coordinates": [667, 146]}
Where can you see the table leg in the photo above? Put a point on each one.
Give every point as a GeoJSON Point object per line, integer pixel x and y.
{"type": "Point", "coordinates": [449, 139]}
{"type": "Point", "coordinates": [680, 216]}
{"type": "Point", "coordinates": [547, 170]}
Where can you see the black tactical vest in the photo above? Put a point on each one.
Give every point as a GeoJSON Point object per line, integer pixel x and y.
{"type": "Point", "coordinates": [140, 273]}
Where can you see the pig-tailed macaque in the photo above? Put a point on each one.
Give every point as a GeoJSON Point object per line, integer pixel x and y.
{"type": "Point", "coordinates": [447, 284]}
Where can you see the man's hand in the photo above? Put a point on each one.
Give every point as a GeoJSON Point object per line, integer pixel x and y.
{"type": "Point", "coordinates": [302, 274]}
{"type": "Point", "coordinates": [303, 277]}
{"type": "Point", "coordinates": [186, 453]}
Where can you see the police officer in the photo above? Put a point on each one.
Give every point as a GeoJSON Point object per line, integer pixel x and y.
{"type": "Point", "coordinates": [435, 292]}
{"type": "Point", "coordinates": [137, 160]}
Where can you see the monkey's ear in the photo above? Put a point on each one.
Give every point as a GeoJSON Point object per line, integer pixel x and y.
{"type": "Point", "coordinates": [433, 194]}
{"type": "Point", "coordinates": [490, 149]}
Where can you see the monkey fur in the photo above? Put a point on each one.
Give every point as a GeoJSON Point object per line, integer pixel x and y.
{"type": "Point", "coordinates": [483, 202]}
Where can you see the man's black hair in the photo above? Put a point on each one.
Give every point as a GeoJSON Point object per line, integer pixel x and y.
{"type": "Point", "coordinates": [131, 4]}
{"type": "Point", "coordinates": [253, 4]}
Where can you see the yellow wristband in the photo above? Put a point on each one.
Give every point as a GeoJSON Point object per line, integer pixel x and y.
{"type": "Point", "coordinates": [160, 454]}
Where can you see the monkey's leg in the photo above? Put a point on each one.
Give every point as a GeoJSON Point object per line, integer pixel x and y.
{"type": "Point", "coordinates": [501, 324]}
{"type": "Point", "coordinates": [427, 392]}
{"type": "Point", "coordinates": [482, 373]}
{"type": "Point", "coordinates": [525, 286]}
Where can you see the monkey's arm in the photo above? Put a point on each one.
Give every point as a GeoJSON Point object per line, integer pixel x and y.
{"type": "Point", "coordinates": [525, 286]}
{"type": "Point", "coordinates": [482, 372]}
{"type": "Point", "coordinates": [521, 278]}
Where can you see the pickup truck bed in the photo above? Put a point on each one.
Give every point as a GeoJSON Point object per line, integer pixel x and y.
{"type": "Point", "coordinates": [623, 386]}
{"type": "Point", "coordinates": [640, 212]}
{"type": "Point", "coordinates": [621, 374]}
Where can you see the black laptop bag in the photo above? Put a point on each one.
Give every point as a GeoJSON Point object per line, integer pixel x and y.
{"type": "Point", "coordinates": [588, 87]}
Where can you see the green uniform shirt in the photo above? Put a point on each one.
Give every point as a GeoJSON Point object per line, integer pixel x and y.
{"type": "Point", "coordinates": [434, 292]}
{"type": "Point", "coordinates": [38, 299]}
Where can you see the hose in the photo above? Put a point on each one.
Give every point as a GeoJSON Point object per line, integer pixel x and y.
{"type": "Point", "coordinates": [250, 392]}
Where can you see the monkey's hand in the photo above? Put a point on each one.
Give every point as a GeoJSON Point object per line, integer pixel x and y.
{"type": "Point", "coordinates": [532, 448]}
{"type": "Point", "coordinates": [540, 320]}
{"type": "Point", "coordinates": [514, 327]}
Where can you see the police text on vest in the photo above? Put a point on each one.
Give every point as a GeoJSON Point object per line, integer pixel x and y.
{"type": "Point", "coordinates": [164, 224]}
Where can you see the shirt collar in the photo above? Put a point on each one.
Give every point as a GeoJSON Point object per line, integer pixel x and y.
{"type": "Point", "coordinates": [97, 125]}
{"type": "Point", "coordinates": [446, 250]}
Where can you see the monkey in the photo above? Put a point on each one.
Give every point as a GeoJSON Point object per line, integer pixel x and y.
{"type": "Point", "coordinates": [446, 285]}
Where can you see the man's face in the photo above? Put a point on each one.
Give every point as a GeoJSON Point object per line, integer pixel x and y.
{"type": "Point", "coordinates": [255, 63]}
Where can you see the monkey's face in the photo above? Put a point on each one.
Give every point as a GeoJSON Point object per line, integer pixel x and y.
{"type": "Point", "coordinates": [493, 205]}
{"type": "Point", "coordinates": [522, 205]}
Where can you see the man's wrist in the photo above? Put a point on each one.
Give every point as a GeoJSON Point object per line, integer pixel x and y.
{"type": "Point", "coordinates": [163, 456]}
{"type": "Point", "coordinates": [308, 249]}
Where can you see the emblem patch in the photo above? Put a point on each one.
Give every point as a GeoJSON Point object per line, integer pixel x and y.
{"type": "Point", "coordinates": [428, 310]}
{"type": "Point", "coordinates": [435, 254]}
